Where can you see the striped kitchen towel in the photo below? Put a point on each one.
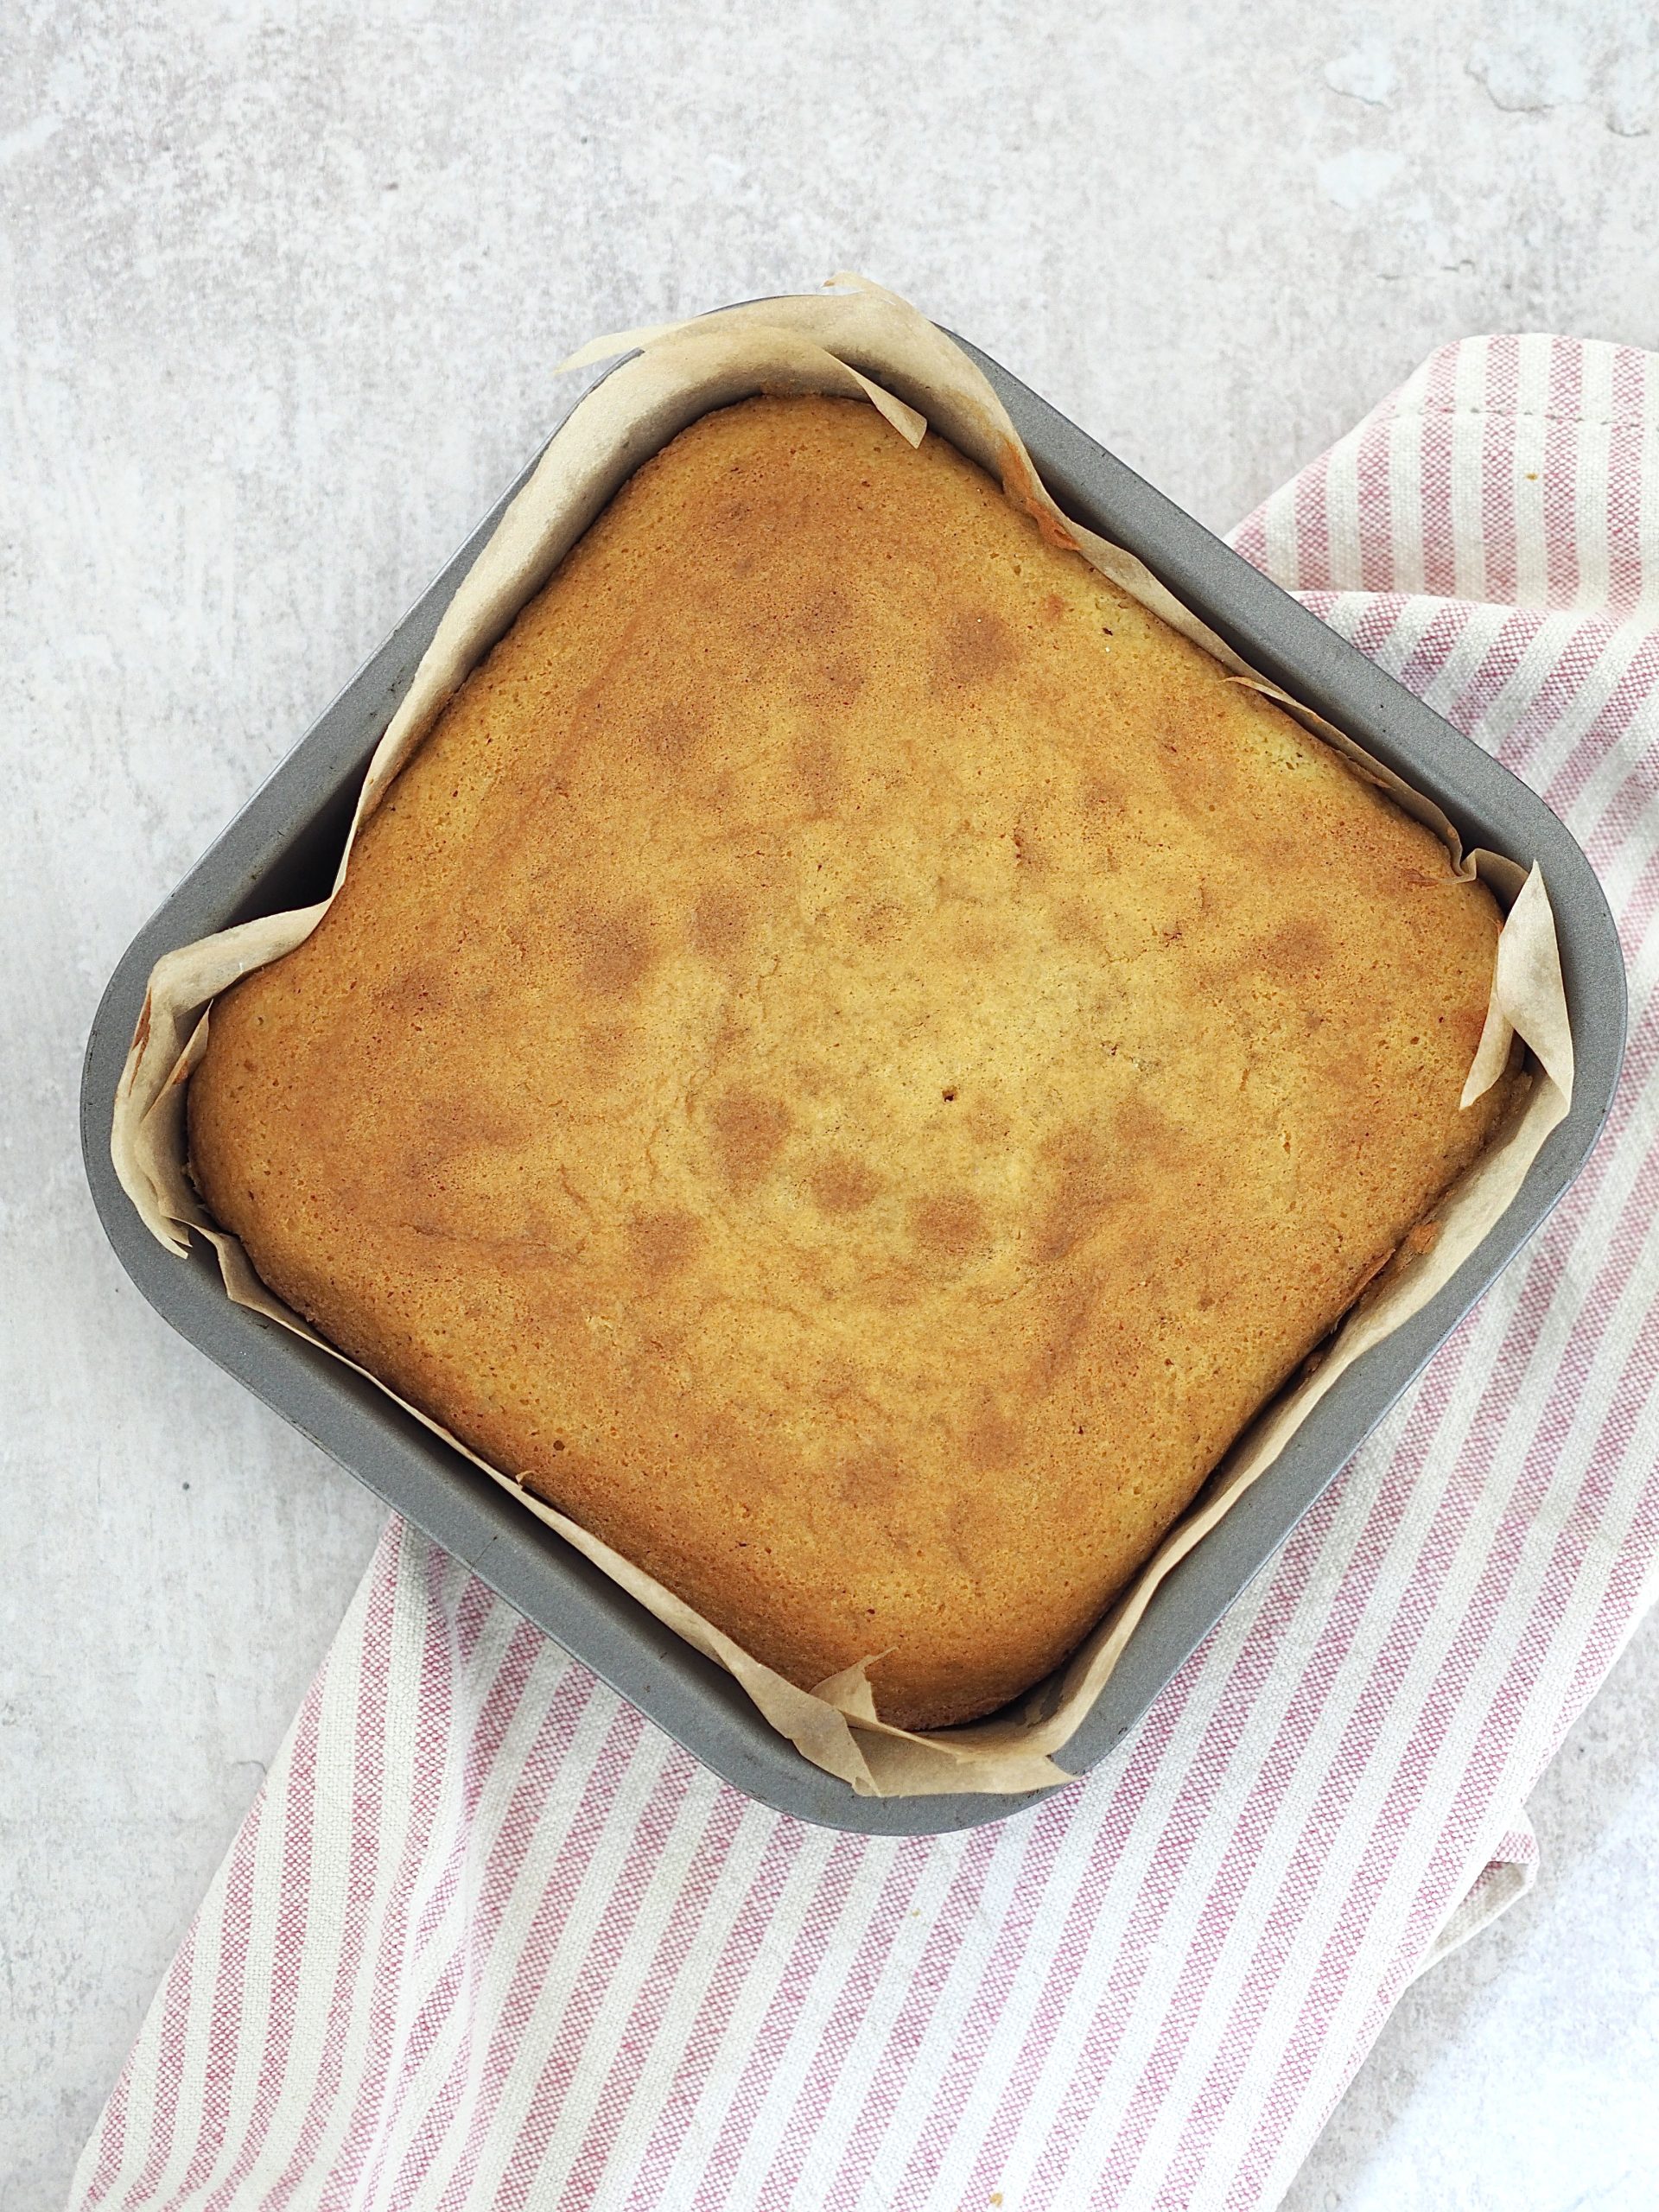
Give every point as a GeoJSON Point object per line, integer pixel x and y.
{"type": "Point", "coordinates": [486, 1939]}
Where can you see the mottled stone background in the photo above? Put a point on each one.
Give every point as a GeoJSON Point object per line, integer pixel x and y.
{"type": "Point", "coordinates": [283, 289]}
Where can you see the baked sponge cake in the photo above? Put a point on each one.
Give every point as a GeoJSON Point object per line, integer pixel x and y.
{"type": "Point", "coordinates": [854, 1059]}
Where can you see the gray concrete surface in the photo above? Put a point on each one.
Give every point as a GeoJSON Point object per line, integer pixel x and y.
{"type": "Point", "coordinates": [280, 291]}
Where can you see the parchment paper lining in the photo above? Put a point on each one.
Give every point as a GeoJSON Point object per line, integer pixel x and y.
{"type": "Point", "coordinates": [855, 339]}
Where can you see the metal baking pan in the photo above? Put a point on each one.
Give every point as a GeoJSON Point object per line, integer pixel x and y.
{"type": "Point", "coordinates": [281, 851]}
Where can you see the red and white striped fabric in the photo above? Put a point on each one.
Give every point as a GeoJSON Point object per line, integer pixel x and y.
{"type": "Point", "coordinates": [486, 1939]}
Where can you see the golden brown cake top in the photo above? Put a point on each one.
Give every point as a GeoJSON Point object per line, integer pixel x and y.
{"type": "Point", "coordinates": [854, 1059]}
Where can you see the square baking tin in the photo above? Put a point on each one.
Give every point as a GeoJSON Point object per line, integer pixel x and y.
{"type": "Point", "coordinates": [281, 850]}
